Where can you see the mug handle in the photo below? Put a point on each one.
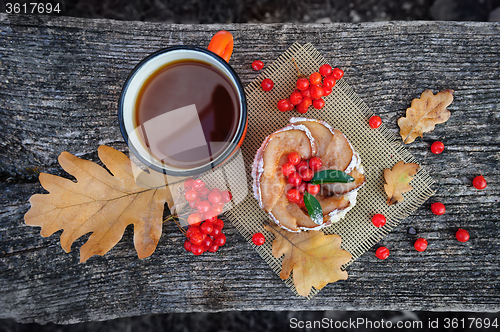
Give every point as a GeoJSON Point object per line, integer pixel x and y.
{"type": "Point", "coordinates": [222, 44]}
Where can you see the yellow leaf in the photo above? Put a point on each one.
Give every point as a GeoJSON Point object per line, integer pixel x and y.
{"type": "Point", "coordinates": [398, 179]}
{"type": "Point", "coordinates": [314, 257]}
{"type": "Point", "coordinates": [101, 204]}
{"type": "Point", "coordinates": [425, 112]}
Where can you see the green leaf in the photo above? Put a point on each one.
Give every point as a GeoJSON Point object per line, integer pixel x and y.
{"type": "Point", "coordinates": [331, 176]}
{"type": "Point", "coordinates": [314, 208]}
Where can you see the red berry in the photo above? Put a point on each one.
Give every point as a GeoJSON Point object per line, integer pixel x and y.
{"type": "Point", "coordinates": [316, 92]}
{"type": "Point", "coordinates": [203, 206]}
{"type": "Point", "coordinates": [220, 240]}
{"type": "Point", "coordinates": [315, 78]}
{"type": "Point", "coordinates": [192, 204]}
{"type": "Point", "coordinates": [267, 84]}
{"type": "Point", "coordinates": [204, 191]}
{"type": "Point", "coordinates": [307, 174]}
{"type": "Point", "coordinates": [191, 230]}
{"type": "Point", "coordinates": [437, 147]}
{"type": "Point", "coordinates": [382, 253]}
{"type": "Point", "coordinates": [212, 219]}
{"type": "Point", "coordinates": [375, 121]}
{"type": "Point", "coordinates": [378, 220]}
{"type": "Point", "coordinates": [197, 249]}
{"type": "Point", "coordinates": [258, 239]}
{"type": "Point", "coordinates": [421, 244]}
{"type": "Point", "coordinates": [302, 83]}
{"type": "Point", "coordinates": [302, 187]}
{"type": "Point", "coordinates": [197, 238]}
{"type": "Point", "coordinates": [213, 248]}
{"type": "Point", "coordinates": [226, 196]}
{"type": "Point", "coordinates": [325, 70]}
{"type": "Point", "coordinates": [301, 203]}
{"type": "Point", "coordinates": [198, 184]}
{"type": "Point", "coordinates": [290, 106]}
{"type": "Point", "coordinates": [315, 163]}
{"type": "Point", "coordinates": [327, 91]}
{"type": "Point", "coordinates": [462, 235]}
{"type": "Point", "coordinates": [215, 232]}
{"type": "Point", "coordinates": [257, 65]}
{"type": "Point", "coordinates": [194, 218]}
{"type": "Point", "coordinates": [207, 227]}
{"type": "Point", "coordinates": [188, 184]}
{"type": "Point", "coordinates": [301, 166]}
{"type": "Point", "coordinates": [295, 98]}
{"type": "Point", "coordinates": [283, 105]}
{"type": "Point", "coordinates": [191, 195]}
{"type": "Point", "coordinates": [302, 108]}
{"type": "Point", "coordinates": [219, 223]}
{"type": "Point", "coordinates": [294, 179]}
{"type": "Point", "coordinates": [306, 93]}
{"type": "Point", "coordinates": [306, 102]}
{"type": "Point", "coordinates": [210, 215]}
{"type": "Point", "coordinates": [438, 208]}
{"type": "Point", "coordinates": [293, 195]}
{"type": "Point", "coordinates": [329, 82]}
{"type": "Point", "coordinates": [337, 73]}
{"type": "Point", "coordinates": [206, 243]}
{"type": "Point", "coordinates": [304, 105]}
{"type": "Point", "coordinates": [479, 182]}
{"type": "Point", "coordinates": [214, 197]}
{"type": "Point", "coordinates": [217, 208]}
{"type": "Point", "coordinates": [294, 158]}
{"type": "Point", "coordinates": [313, 189]}
{"type": "Point", "coordinates": [318, 103]}
{"type": "Point", "coordinates": [287, 169]}
{"type": "Point", "coordinates": [187, 245]}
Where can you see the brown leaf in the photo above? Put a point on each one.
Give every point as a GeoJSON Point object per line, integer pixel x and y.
{"type": "Point", "coordinates": [425, 112]}
{"type": "Point", "coordinates": [398, 179]}
{"type": "Point", "coordinates": [314, 257]}
{"type": "Point", "coordinates": [101, 204]}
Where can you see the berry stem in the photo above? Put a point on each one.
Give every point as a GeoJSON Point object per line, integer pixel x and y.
{"type": "Point", "coordinates": [180, 227]}
{"type": "Point", "coordinates": [175, 218]}
{"type": "Point", "coordinates": [299, 74]}
{"type": "Point", "coordinates": [170, 217]}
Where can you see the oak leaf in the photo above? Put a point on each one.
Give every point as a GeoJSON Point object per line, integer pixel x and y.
{"type": "Point", "coordinates": [314, 257]}
{"type": "Point", "coordinates": [425, 112]}
{"type": "Point", "coordinates": [101, 203]}
{"type": "Point", "coordinates": [398, 179]}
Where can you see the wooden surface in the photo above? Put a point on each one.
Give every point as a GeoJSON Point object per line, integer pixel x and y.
{"type": "Point", "coordinates": [60, 79]}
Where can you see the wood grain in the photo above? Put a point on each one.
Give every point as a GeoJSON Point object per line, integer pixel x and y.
{"type": "Point", "coordinates": [60, 79]}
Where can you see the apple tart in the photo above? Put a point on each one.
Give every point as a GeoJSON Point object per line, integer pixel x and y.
{"type": "Point", "coordinates": [309, 138]}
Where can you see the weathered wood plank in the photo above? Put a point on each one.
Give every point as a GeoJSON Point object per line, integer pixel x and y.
{"type": "Point", "coordinates": [60, 79]}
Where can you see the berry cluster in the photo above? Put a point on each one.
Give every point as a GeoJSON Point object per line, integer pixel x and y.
{"type": "Point", "coordinates": [205, 236]}
{"type": "Point", "coordinates": [310, 91]}
{"type": "Point", "coordinates": [205, 230]}
{"type": "Point", "coordinates": [298, 172]}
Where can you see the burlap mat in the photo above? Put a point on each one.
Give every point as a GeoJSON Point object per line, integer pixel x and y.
{"type": "Point", "coordinates": [345, 111]}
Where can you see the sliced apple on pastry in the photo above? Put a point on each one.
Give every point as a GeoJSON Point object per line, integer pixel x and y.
{"type": "Point", "coordinates": [309, 138]}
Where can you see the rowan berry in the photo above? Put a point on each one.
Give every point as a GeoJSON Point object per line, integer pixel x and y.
{"type": "Point", "coordinates": [258, 239]}
{"type": "Point", "coordinates": [267, 84]}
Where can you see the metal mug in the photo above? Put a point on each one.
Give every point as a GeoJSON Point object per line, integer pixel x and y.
{"type": "Point", "coordinates": [217, 54]}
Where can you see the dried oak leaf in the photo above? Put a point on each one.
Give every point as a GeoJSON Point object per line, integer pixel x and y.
{"type": "Point", "coordinates": [425, 112]}
{"type": "Point", "coordinates": [314, 257]}
{"type": "Point", "coordinates": [398, 179]}
{"type": "Point", "coordinates": [101, 204]}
